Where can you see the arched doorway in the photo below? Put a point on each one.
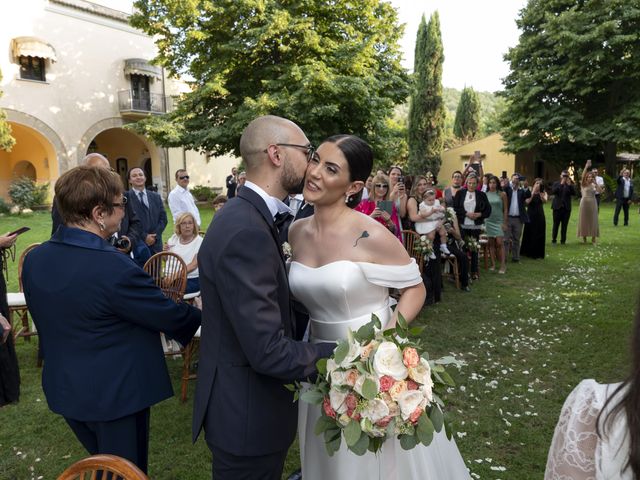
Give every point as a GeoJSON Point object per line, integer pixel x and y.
{"type": "Point", "coordinates": [124, 150]}
{"type": "Point", "coordinates": [32, 156]}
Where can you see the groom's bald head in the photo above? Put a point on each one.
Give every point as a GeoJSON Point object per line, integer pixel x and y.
{"type": "Point", "coordinates": [262, 132]}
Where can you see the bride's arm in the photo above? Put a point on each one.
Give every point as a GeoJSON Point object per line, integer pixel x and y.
{"type": "Point", "coordinates": [385, 249]}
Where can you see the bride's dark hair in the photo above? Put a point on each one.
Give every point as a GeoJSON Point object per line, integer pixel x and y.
{"type": "Point", "coordinates": [627, 402]}
{"type": "Point", "coordinates": [359, 157]}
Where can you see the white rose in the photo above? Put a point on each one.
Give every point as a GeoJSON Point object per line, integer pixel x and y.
{"type": "Point", "coordinates": [337, 399]}
{"type": "Point", "coordinates": [331, 366]}
{"type": "Point", "coordinates": [427, 391]}
{"type": "Point", "coordinates": [338, 378]}
{"type": "Point", "coordinates": [421, 373]}
{"type": "Point", "coordinates": [354, 351]}
{"type": "Point", "coordinates": [388, 361]}
{"type": "Point", "coordinates": [371, 429]}
{"type": "Point", "coordinates": [375, 410]}
{"type": "Point", "coordinates": [409, 401]}
{"type": "Point", "coordinates": [360, 381]}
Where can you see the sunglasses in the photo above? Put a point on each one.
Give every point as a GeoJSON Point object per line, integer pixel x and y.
{"type": "Point", "coordinates": [382, 185]}
{"type": "Point", "coordinates": [184, 177]}
{"type": "Point", "coordinates": [121, 204]}
{"type": "Point", "coordinates": [310, 149]}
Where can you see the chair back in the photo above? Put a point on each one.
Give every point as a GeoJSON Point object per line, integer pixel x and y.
{"type": "Point", "coordinates": [23, 255]}
{"type": "Point", "coordinates": [411, 240]}
{"type": "Point", "coordinates": [99, 466]}
{"type": "Point", "coordinates": [169, 272]}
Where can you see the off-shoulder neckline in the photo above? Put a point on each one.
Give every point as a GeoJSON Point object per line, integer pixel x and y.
{"type": "Point", "coordinates": [351, 261]}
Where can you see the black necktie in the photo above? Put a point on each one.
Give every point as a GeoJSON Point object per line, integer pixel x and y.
{"type": "Point", "coordinates": [141, 197]}
{"type": "Point", "coordinates": [281, 219]}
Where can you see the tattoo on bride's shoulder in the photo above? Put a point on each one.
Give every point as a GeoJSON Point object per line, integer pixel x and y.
{"type": "Point", "coordinates": [364, 234]}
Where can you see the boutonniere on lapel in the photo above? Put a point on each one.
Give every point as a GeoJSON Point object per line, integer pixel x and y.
{"type": "Point", "coordinates": [286, 250]}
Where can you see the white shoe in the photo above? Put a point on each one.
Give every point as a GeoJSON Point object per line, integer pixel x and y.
{"type": "Point", "coordinates": [444, 249]}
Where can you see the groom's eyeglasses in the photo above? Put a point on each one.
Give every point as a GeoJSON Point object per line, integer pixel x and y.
{"type": "Point", "coordinates": [310, 149]}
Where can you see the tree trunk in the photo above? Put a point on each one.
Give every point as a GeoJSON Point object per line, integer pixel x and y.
{"type": "Point", "coordinates": [610, 151]}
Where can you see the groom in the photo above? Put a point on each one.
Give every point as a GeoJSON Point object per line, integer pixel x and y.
{"type": "Point", "coordinates": [247, 351]}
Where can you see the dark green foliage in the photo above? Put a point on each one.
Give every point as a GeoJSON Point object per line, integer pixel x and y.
{"type": "Point", "coordinates": [25, 193]}
{"type": "Point", "coordinates": [330, 67]}
{"type": "Point", "coordinates": [6, 140]}
{"type": "Point", "coordinates": [467, 122]}
{"type": "Point", "coordinates": [575, 77]}
{"type": "Point", "coordinates": [426, 112]}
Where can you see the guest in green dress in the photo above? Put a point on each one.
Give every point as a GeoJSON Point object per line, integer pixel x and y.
{"type": "Point", "coordinates": [496, 224]}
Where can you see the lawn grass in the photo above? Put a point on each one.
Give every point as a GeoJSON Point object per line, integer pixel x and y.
{"type": "Point", "coordinates": [528, 338]}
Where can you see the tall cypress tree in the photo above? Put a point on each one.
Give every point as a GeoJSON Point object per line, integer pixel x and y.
{"type": "Point", "coordinates": [467, 122]}
{"type": "Point", "coordinates": [427, 112]}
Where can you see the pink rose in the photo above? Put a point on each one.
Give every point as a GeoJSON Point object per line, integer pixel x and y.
{"type": "Point", "coordinates": [386, 382]}
{"type": "Point", "coordinates": [383, 422]}
{"type": "Point", "coordinates": [411, 385]}
{"type": "Point", "coordinates": [351, 376]}
{"type": "Point", "coordinates": [410, 357]}
{"type": "Point", "coordinates": [351, 401]}
{"type": "Point", "coordinates": [328, 410]}
{"type": "Point", "coordinates": [413, 418]}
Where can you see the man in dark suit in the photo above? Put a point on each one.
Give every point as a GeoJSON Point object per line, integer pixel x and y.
{"type": "Point", "coordinates": [561, 205]}
{"type": "Point", "coordinates": [247, 349]}
{"type": "Point", "coordinates": [624, 194]}
{"type": "Point", "coordinates": [150, 210]}
{"type": "Point", "coordinates": [517, 215]}
{"type": "Point", "coordinates": [232, 182]}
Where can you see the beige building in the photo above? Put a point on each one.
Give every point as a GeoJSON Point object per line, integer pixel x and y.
{"type": "Point", "coordinates": [494, 161]}
{"type": "Point", "coordinates": [74, 74]}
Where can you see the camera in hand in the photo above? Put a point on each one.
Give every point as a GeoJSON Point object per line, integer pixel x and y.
{"type": "Point", "coordinates": [122, 243]}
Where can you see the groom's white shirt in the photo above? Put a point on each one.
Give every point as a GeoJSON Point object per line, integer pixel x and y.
{"type": "Point", "coordinates": [274, 204]}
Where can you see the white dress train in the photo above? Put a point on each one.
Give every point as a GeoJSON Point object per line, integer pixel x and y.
{"type": "Point", "coordinates": [343, 295]}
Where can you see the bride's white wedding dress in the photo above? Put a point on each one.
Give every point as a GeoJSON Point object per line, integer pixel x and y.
{"type": "Point", "coordinates": [343, 295]}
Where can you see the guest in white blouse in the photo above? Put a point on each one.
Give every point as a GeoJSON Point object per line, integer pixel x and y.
{"type": "Point", "coordinates": [186, 243]}
{"type": "Point", "coordinates": [598, 434]}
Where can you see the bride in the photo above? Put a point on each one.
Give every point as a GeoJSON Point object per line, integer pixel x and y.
{"type": "Point", "coordinates": [342, 267]}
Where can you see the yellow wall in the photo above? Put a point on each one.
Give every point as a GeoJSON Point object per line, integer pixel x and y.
{"type": "Point", "coordinates": [494, 161]}
{"type": "Point", "coordinates": [32, 147]}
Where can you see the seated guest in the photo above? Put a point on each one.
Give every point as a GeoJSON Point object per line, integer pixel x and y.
{"type": "Point", "coordinates": [219, 202]}
{"type": "Point", "coordinates": [150, 210]}
{"type": "Point", "coordinates": [98, 317]}
{"type": "Point", "coordinates": [598, 433]}
{"type": "Point", "coordinates": [186, 243]}
{"type": "Point", "coordinates": [378, 206]}
{"type": "Point", "coordinates": [472, 207]}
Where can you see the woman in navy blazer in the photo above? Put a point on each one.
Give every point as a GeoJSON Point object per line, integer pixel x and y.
{"type": "Point", "coordinates": [98, 317]}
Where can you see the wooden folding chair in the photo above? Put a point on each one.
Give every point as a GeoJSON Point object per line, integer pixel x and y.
{"type": "Point", "coordinates": [107, 467]}
{"type": "Point", "coordinates": [18, 304]}
{"type": "Point", "coordinates": [411, 240]}
{"type": "Point", "coordinates": [450, 269]}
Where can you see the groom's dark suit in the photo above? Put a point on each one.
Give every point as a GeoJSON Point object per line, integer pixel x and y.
{"type": "Point", "coordinates": [247, 352]}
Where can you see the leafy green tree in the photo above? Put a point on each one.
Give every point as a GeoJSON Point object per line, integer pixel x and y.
{"type": "Point", "coordinates": [427, 113]}
{"type": "Point", "coordinates": [467, 122]}
{"type": "Point", "coordinates": [575, 77]}
{"type": "Point", "coordinates": [332, 67]}
{"type": "Point", "coordinates": [6, 140]}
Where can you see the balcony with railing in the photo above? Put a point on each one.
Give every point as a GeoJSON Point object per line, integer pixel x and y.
{"type": "Point", "coordinates": [133, 104]}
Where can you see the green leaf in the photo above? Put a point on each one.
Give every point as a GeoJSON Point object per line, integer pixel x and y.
{"type": "Point", "coordinates": [407, 442]}
{"type": "Point", "coordinates": [416, 331]}
{"type": "Point", "coordinates": [331, 434]}
{"type": "Point", "coordinates": [361, 446]}
{"type": "Point", "coordinates": [437, 418]}
{"type": "Point", "coordinates": [323, 423]}
{"type": "Point", "coordinates": [291, 387]}
{"type": "Point", "coordinates": [312, 396]}
{"type": "Point", "coordinates": [352, 433]}
{"type": "Point", "coordinates": [447, 379]}
{"type": "Point", "coordinates": [360, 367]}
{"type": "Point", "coordinates": [369, 390]}
{"type": "Point", "coordinates": [341, 351]}
{"type": "Point", "coordinates": [321, 365]}
{"type": "Point", "coordinates": [402, 322]}
{"type": "Point", "coordinates": [333, 445]}
{"type": "Point", "coordinates": [376, 321]}
{"type": "Point", "coordinates": [365, 333]}
{"type": "Point", "coordinates": [448, 429]}
{"type": "Point", "coordinates": [425, 429]}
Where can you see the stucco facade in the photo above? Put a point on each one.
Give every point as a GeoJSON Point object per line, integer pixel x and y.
{"type": "Point", "coordinates": [97, 79]}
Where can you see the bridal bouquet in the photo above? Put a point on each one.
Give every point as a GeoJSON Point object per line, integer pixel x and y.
{"type": "Point", "coordinates": [471, 244]}
{"type": "Point", "coordinates": [423, 246]}
{"type": "Point", "coordinates": [379, 385]}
